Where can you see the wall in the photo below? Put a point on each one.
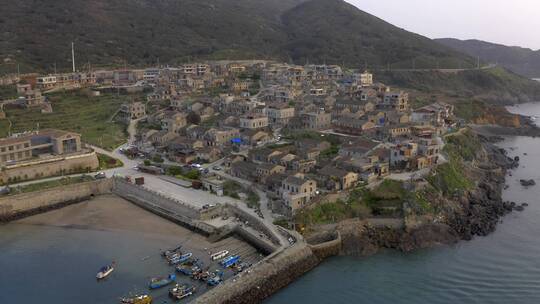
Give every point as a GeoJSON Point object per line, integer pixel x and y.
{"type": "Point", "coordinates": [54, 167]}
{"type": "Point", "coordinates": [264, 279]}
{"type": "Point", "coordinates": [163, 206]}
{"type": "Point", "coordinates": [21, 205]}
{"type": "Point", "coordinates": [252, 220]}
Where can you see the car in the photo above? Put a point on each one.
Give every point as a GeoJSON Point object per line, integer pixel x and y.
{"type": "Point", "coordinates": [206, 171]}
{"type": "Point", "coordinates": [195, 165]}
{"type": "Point", "coordinates": [217, 168]}
{"type": "Point", "coordinates": [136, 168]}
{"type": "Point", "coordinates": [100, 175]}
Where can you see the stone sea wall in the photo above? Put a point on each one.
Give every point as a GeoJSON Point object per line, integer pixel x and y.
{"type": "Point", "coordinates": [26, 204]}
{"type": "Point", "coordinates": [265, 278]}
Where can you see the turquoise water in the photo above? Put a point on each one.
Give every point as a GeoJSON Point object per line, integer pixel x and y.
{"type": "Point", "coordinates": [503, 267]}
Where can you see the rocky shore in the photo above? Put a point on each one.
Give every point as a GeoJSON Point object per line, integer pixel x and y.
{"type": "Point", "coordinates": [474, 213]}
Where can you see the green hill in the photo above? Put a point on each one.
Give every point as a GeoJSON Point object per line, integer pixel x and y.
{"type": "Point", "coordinates": [522, 61]}
{"type": "Point", "coordinates": [38, 33]}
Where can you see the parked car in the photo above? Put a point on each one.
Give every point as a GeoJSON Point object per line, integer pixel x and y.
{"type": "Point", "coordinates": [100, 175]}
{"type": "Point", "coordinates": [217, 168]}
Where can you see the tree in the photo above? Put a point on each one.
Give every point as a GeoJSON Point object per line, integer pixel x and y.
{"type": "Point", "coordinates": [193, 118]}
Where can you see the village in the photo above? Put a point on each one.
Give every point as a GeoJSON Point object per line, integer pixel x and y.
{"type": "Point", "coordinates": [297, 133]}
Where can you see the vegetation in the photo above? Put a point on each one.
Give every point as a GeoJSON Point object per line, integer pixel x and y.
{"type": "Point", "coordinates": [495, 85]}
{"type": "Point", "coordinates": [8, 92]}
{"type": "Point", "coordinates": [181, 173]}
{"type": "Point", "coordinates": [4, 127]}
{"type": "Point", "coordinates": [522, 61]}
{"type": "Point", "coordinates": [253, 199]}
{"type": "Point", "coordinates": [51, 184]}
{"type": "Point", "coordinates": [231, 189]}
{"type": "Point", "coordinates": [329, 31]}
{"type": "Point", "coordinates": [463, 144]}
{"type": "Point", "coordinates": [385, 200]}
{"type": "Point", "coordinates": [73, 111]}
{"type": "Point", "coordinates": [107, 162]}
{"type": "Point", "coordinates": [449, 178]}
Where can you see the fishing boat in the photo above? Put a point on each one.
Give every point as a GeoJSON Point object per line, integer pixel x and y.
{"type": "Point", "coordinates": [181, 259]}
{"type": "Point", "coordinates": [215, 278]}
{"type": "Point", "coordinates": [170, 252]}
{"type": "Point", "coordinates": [140, 299]}
{"type": "Point", "coordinates": [229, 261]}
{"type": "Point", "coordinates": [188, 270]}
{"type": "Point", "coordinates": [219, 255]}
{"type": "Point", "coordinates": [156, 283]}
{"type": "Point", "coordinates": [105, 271]}
{"type": "Point", "coordinates": [181, 291]}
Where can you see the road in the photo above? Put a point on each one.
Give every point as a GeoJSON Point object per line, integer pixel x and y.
{"type": "Point", "coordinates": [264, 202]}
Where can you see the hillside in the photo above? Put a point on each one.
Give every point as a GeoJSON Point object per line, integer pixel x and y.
{"type": "Point", "coordinates": [523, 61]}
{"type": "Point", "coordinates": [37, 33]}
{"type": "Point", "coordinates": [494, 86]}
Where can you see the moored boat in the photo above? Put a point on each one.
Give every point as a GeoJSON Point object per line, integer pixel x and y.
{"type": "Point", "coordinates": [140, 299]}
{"type": "Point", "coordinates": [215, 278]}
{"type": "Point", "coordinates": [181, 291]}
{"type": "Point", "coordinates": [170, 252]}
{"type": "Point", "coordinates": [181, 259]}
{"type": "Point", "coordinates": [229, 261]}
{"type": "Point", "coordinates": [105, 271]}
{"type": "Point", "coordinates": [219, 255]}
{"type": "Point", "coordinates": [156, 283]}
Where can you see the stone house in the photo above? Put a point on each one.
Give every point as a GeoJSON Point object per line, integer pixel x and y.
{"type": "Point", "coordinates": [131, 111]}
{"type": "Point", "coordinates": [267, 169]}
{"type": "Point", "coordinates": [173, 122]}
{"type": "Point", "coordinates": [297, 191]}
{"type": "Point", "coordinates": [253, 121]}
{"type": "Point", "coordinates": [337, 179]}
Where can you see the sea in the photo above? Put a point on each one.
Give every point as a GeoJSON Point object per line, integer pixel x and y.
{"type": "Point", "coordinates": [502, 268]}
{"type": "Point", "coordinates": [48, 264]}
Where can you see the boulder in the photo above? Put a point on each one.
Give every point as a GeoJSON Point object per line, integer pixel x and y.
{"type": "Point", "coordinates": [527, 182]}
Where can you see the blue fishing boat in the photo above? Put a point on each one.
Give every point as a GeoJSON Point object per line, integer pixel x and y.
{"type": "Point", "coordinates": [181, 259]}
{"type": "Point", "coordinates": [156, 283]}
{"type": "Point", "coordinates": [228, 262]}
{"type": "Point", "coordinates": [215, 278]}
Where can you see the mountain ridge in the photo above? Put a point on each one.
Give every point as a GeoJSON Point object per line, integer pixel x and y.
{"type": "Point", "coordinates": [38, 33]}
{"type": "Point", "coordinates": [523, 61]}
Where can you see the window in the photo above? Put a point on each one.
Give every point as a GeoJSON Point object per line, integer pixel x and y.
{"type": "Point", "coordinates": [10, 148]}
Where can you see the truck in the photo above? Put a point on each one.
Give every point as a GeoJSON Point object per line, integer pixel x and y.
{"type": "Point", "coordinates": [139, 181]}
{"type": "Point", "coordinates": [151, 169]}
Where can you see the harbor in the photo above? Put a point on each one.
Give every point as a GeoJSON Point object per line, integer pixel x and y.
{"type": "Point", "coordinates": [94, 233]}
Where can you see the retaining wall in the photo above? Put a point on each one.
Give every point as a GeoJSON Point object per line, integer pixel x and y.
{"type": "Point", "coordinates": [50, 167]}
{"type": "Point", "coordinates": [171, 209]}
{"type": "Point", "coordinates": [26, 204]}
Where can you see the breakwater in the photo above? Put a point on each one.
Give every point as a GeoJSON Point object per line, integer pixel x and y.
{"type": "Point", "coordinates": [22, 205]}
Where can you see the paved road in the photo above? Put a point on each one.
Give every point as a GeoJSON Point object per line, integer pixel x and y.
{"type": "Point", "coordinates": [264, 202]}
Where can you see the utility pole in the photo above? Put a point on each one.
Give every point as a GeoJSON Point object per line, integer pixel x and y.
{"type": "Point", "coordinates": [73, 55]}
{"type": "Point", "coordinates": [478, 62]}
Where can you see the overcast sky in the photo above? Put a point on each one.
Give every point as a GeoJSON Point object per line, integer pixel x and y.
{"type": "Point", "coordinates": [514, 22]}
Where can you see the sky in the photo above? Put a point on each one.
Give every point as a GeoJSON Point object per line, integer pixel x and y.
{"type": "Point", "coordinates": [509, 22]}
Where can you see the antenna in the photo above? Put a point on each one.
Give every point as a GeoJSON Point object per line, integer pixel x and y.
{"type": "Point", "coordinates": [73, 55]}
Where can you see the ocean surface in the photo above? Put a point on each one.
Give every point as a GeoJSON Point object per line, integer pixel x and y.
{"type": "Point", "coordinates": [503, 267]}
{"type": "Point", "coordinates": [47, 264]}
